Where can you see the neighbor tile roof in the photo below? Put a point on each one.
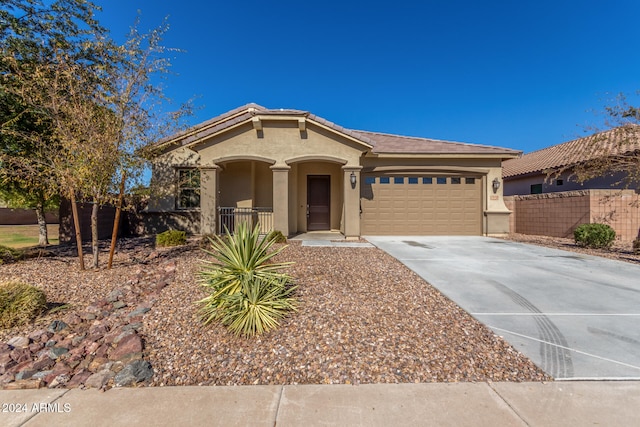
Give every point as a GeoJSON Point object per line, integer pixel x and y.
{"type": "Point", "coordinates": [613, 141]}
{"type": "Point", "coordinates": [381, 143]}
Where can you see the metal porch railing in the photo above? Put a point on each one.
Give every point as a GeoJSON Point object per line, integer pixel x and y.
{"type": "Point", "coordinates": [228, 218]}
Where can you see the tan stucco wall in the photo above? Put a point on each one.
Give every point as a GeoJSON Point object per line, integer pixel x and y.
{"type": "Point", "coordinates": [245, 184]}
{"type": "Point", "coordinates": [293, 199]}
{"type": "Point", "coordinates": [164, 179]}
{"type": "Point", "coordinates": [281, 142]}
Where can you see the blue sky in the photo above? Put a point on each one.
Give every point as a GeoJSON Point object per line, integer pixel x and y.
{"type": "Point", "coordinates": [517, 74]}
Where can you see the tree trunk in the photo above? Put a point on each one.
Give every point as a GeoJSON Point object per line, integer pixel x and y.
{"type": "Point", "coordinates": [116, 221]}
{"type": "Point", "coordinates": [94, 232]}
{"type": "Point", "coordinates": [76, 224]}
{"type": "Point", "coordinates": [43, 237]}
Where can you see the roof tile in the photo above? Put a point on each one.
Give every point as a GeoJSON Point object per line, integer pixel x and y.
{"type": "Point", "coordinates": [381, 143]}
{"type": "Point", "coordinates": [612, 141]}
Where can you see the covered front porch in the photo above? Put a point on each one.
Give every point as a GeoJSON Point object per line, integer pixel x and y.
{"type": "Point", "coordinates": [308, 194]}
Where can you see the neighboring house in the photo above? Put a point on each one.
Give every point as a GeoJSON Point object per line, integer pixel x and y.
{"type": "Point", "coordinates": [296, 172]}
{"type": "Point", "coordinates": [545, 198]}
{"type": "Point", "coordinates": [528, 174]}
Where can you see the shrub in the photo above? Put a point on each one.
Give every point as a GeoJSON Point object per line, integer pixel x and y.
{"type": "Point", "coordinates": [247, 292]}
{"type": "Point", "coordinates": [8, 255]}
{"type": "Point", "coordinates": [258, 306]}
{"type": "Point", "coordinates": [277, 236]}
{"type": "Point", "coordinates": [636, 246]}
{"type": "Point", "coordinates": [171, 238]}
{"type": "Point", "coordinates": [20, 303]}
{"type": "Point", "coordinates": [594, 235]}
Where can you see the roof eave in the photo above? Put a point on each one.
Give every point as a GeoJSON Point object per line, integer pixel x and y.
{"type": "Point", "coordinates": [503, 156]}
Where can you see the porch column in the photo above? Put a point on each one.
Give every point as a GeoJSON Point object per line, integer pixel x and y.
{"type": "Point", "coordinates": [281, 198]}
{"type": "Point", "coordinates": [208, 199]}
{"type": "Point", "coordinates": [351, 201]}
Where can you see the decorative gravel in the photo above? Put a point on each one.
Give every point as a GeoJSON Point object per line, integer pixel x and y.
{"type": "Point", "coordinates": [620, 251]}
{"type": "Point", "coordinates": [363, 318]}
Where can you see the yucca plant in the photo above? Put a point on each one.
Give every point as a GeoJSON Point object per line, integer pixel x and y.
{"type": "Point", "coordinates": [259, 306]}
{"type": "Point", "coordinates": [241, 279]}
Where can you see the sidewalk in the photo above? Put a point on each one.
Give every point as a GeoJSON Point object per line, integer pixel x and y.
{"type": "Point", "coordinates": [463, 404]}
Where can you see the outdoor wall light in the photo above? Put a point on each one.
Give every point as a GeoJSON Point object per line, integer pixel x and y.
{"type": "Point", "coordinates": [352, 178]}
{"type": "Point", "coordinates": [496, 185]}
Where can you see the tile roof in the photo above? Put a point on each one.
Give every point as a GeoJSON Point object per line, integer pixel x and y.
{"type": "Point", "coordinates": [610, 142]}
{"type": "Point", "coordinates": [381, 143]}
{"type": "Point", "coordinates": [388, 143]}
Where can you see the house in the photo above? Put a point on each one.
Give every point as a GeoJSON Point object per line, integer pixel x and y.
{"type": "Point", "coordinates": [295, 172]}
{"type": "Point", "coordinates": [542, 190]}
{"type": "Point", "coordinates": [532, 173]}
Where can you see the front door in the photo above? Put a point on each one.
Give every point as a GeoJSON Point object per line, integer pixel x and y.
{"type": "Point", "coordinates": [318, 197]}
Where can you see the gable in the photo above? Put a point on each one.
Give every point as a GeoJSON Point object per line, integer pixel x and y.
{"type": "Point", "coordinates": [272, 133]}
{"type": "Point", "coordinates": [279, 141]}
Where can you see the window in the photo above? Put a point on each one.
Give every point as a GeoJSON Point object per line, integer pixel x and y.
{"type": "Point", "coordinates": [384, 180]}
{"type": "Point", "coordinates": [188, 188]}
{"type": "Point", "coordinates": [427, 180]}
{"type": "Point", "coordinates": [413, 180]}
{"type": "Point", "coordinates": [455, 180]}
{"type": "Point", "coordinates": [441, 180]}
{"type": "Point", "coordinates": [559, 182]}
{"type": "Point", "coordinates": [398, 180]}
{"type": "Point", "coordinates": [370, 180]}
{"type": "Point", "coordinates": [536, 189]}
{"type": "Point", "coordinates": [469, 180]}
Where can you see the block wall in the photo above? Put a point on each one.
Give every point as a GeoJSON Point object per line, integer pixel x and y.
{"type": "Point", "coordinates": [558, 214]}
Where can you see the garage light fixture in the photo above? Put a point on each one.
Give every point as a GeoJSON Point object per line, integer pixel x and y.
{"type": "Point", "coordinates": [496, 185]}
{"type": "Point", "coordinates": [352, 178]}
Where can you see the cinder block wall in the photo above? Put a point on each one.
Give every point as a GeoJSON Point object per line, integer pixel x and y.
{"type": "Point", "coordinates": [619, 209]}
{"type": "Point", "coordinates": [558, 214]}
{"type": "Point", "coordinates": [10, 216]}
{"type": "Point", "coordinates": [67, 230]}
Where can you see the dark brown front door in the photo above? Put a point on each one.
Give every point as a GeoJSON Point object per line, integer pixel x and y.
{"type": "Point", "coordinates": [318, 197]}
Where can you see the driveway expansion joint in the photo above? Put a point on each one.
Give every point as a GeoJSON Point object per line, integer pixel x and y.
{"type": "Point", "coordinates": [506, 402]}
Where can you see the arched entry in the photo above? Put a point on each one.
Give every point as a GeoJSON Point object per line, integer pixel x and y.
{"type": "Point", "coordinates": [245, 194]}
{"type": "Point", "coordinates": [317, 200]}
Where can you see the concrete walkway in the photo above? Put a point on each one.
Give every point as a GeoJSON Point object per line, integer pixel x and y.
{"type": "Point", "coordinates": [328, 238]}
{"type": "Point", "coordinates": [576, 316]}
{"type": "Point", "coordinates": [464, 404]}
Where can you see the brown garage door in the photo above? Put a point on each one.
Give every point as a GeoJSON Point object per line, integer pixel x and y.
{"type": "Point", "coordinates": [421, 205]}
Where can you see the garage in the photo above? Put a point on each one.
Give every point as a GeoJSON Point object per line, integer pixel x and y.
{"type": "Point", "coordinates": [421, 205]}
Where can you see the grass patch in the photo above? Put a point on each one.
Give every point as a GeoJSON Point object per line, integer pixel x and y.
{"type": "Point", "coordinates": [24, 236]}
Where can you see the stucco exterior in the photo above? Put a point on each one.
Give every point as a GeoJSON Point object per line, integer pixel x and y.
{"type": "Point", "coordinates": [521, 185]}
{"type": "Point", "coordinates": [254, 158]}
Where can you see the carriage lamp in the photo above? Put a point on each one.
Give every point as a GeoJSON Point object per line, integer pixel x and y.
{"type": "Point", "coordinates": [496, 185]}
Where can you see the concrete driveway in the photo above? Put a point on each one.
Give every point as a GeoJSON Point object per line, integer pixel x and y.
{"type": "Point", "coordinates": [575, 316]}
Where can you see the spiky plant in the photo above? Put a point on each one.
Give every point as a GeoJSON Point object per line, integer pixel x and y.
{"type": "Point", "coordinates": [241, 275]}
{"type": "Point", "coordinates": [20, 303]}
{"type": "Point", "coordinates": [258, 307]}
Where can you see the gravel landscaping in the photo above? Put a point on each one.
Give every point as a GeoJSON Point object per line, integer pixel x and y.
{"type": "Point", "coordinates": [620, 251]}
{"type": "Point", "coordinates": [363, 318]}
